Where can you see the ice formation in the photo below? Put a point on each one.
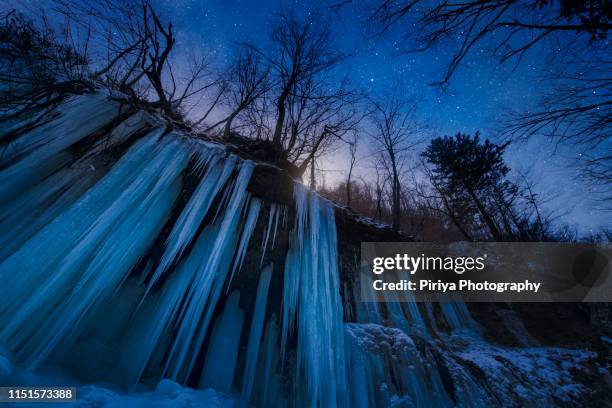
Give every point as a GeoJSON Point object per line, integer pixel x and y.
{"type": "Point", "coordinates": [311, 301]}
{"type": "Point", "coordinates": [138, 257]}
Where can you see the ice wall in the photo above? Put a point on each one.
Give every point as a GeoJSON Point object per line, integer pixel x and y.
{"type": "Point", "coordinates": [133, 255]}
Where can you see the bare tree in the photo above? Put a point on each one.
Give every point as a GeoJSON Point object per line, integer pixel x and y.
{"type": "Point", "coordinates": [575, 112]}
{"type": "Point", "coordinates": [395, 133]}
{"type": "Point", "coordinates": [248, 81]}
{"type": "Point", "coordinates": [353, 160]}
{"type": "Point", "coordinates": [512, 26]}
{"type": "Point", "coordinates": [321, 122]}
{"type": "Point", "coordinates": [38, 68]}
{"type": "Point", "coordinates": [382, 180]}
{"type": "Point", "coordinates": [301, 53]}
{"type": "Point", "coordinates": [136, 48]}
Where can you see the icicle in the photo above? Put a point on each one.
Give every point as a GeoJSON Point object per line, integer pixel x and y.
{"type": "Point", "coordinates": [193, 277]}
{"type": "Point", "coordinates": [247, 231]}
{"type": "Point", "coordinates": [27, 213]}
{"type": "Point", "coordinates": [147, 335]}
{"type": "Point", "coordinates": [39, 153]}
{"type": "Point", "coordinates": [457, 315]}
{"type": "Point", "coordinates": [311, 298]}
{"type": "Point", "coordinates": [222, 353]}
{"type": "Point", "coordinates": [185, 228]}
{"type": "Point", "coordinates": [277, 212]}
{"type": "Point", "coordinates": [257, 323]}
{"type": "Point", "coordinates": [271, 216]}
{"type": "Point", "coordinates": [205, 290]}
{"type": "Point", "coordinates": [385, 366]}
{"type": "Point", "coordinates": [90, 271]}
{"type": "Point", "coordinates": [45, 250]}
{"type": "Point", "coordinates": [266, 395]}
{"type": "Point", "coordinates": [360, 373]}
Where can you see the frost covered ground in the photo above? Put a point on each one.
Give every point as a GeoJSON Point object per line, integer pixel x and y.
{"type": "Point", "coordinates": [167, 393]}
{"type": "Point", "coordinates": [540, 376]}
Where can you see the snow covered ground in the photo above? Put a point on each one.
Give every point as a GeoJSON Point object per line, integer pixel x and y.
{"type": "Point", "coordinates": [167, 394]}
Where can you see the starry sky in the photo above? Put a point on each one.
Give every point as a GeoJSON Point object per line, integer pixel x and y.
{"type": "Point", "coordinates": [479, 96]}
{"type": "Point", "coordinates": [472, 102]}
{"type": "Point", "coordinates": [481, 93]}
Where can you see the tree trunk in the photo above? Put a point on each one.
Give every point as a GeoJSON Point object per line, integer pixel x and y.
{"type": "Point", "coordinates": [452, 215]}
{"type": "Point", "coordinates": [396, 191]}
{"type": "Point", "coordinates": [348, 189]}
{"type": "Point", "coordinates": [313, 184]}
{"type": "Point", "coordinates": [485, 215]}
{"type": "Point", "coordinates": [228, 124]}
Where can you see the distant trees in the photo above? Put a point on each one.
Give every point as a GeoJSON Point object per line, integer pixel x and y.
{"type": "Point", "coordinates": [395, 133]}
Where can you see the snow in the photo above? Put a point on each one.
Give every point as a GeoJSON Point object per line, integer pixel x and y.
{"type": "Point", "coordinates": [542, 376]}
{"type": "Point", "coordinates": [167, 394]}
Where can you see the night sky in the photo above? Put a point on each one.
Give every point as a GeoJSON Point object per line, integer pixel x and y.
{"type": "Point", "coordinates": [480, 95]}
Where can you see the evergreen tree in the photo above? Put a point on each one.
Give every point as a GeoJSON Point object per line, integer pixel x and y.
{"type": "Point", "coordinates": [469, 173]}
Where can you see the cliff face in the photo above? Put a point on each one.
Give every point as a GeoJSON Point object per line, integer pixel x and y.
{"type": "Point", "coordinates": [132, 253]}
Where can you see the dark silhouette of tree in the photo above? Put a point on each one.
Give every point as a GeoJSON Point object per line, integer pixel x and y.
{"type": "Point", "coordinates": [471, 181]}
{"type": "Point", "coordinates": [37, 66]}
{"type": "Point", "coordinates": [463, 169]}
{"type": "Point", "coordinates": [395, 133]}
{"type": "Point", "coordinates": [353, 160]}
{"type": "Point", "coordinates": [247, 81]}
{"type": "Point", "coordinates": [503, 22]}
{"type": "Point", "coordinates": [136, 45]}
{"type": "Point", "coordinates": [301, 57]}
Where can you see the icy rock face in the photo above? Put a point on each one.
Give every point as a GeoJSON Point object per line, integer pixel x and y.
{"type": "Point", "coordinates": [124, 252]}
{"type": "Point", "coordinates": [86, 236]}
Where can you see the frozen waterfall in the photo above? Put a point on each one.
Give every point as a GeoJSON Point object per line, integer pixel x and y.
{"type": "Point", "coordinates": [130, 254]}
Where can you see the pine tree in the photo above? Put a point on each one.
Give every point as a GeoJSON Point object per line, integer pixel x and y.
{"type": "Point", "coordinates": [466, 171]}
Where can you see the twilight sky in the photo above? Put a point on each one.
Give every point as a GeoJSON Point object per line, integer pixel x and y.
{"type": "Point", "coordinates": [480, 94]}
